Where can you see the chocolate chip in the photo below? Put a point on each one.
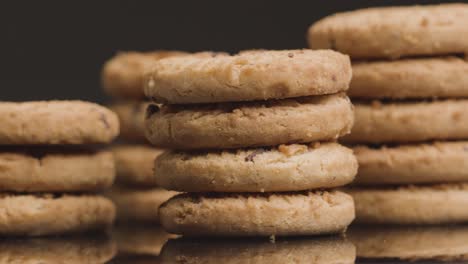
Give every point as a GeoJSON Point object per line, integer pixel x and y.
{"type": "Point", "coordinates": [151, 110]}
{"type": "Point", "coordinates": [103, 119]}
{"type": "Point", "coordinates": [251, 156]}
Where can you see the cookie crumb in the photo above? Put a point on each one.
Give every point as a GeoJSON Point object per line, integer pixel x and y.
{"type": "Point", "coordinates": [273, 239]}
{"type": "Point", "coordinates": [294, 149]}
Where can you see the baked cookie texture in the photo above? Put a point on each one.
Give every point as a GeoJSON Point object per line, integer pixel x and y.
{"type": "Point", "coordinates": [318, 250]}
{"type": "Point", "coordinates": [48, 214]}
{"type": "Point", "coordinates": [434, 204]}
{"type": "Point", "coordinates": [131, 116]}
{"type": "Point", "coordinates": [394, 32]}
{"type": "Point", "coordinates": [292, 214]}
{"type": "Point", "coordinates": [409, 122]}
{"type": "Point", "coordinates": [248, 76]}
{"type": "Point", "coordinates": [284, 168]}
{"type": "Point", "coordinates": [436, 162]}
{"type": "Point", "coordinates": [56, 122]}
{"type": "Point", "coordinates": [237, 125]}
{"type": "Point", "coordinates": [55, 170]}
{"type": "Point", "coordinates": [438, 77]}
{"type": "Point", "coordinates": [134, 165]}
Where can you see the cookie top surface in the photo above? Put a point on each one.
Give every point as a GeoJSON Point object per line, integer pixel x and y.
{"type": "Point", "coordinates": [131, 116]}
{"type": "Point", "coordinates": [285, 168]}
{"type": "Point", "coordinates": [289, 214]}
{"type": "Point", "coordinates": [394, 32]}
{"type": "Point", "coordinates": [46, 214]}
{"type": "Point", "coordinates": [56, 122]}
{"type": "Point", "coordinates": [440, 77]}
{"type": "Point", "coordinates": [250, 124]}
{"type": "Point", "coordinates": [40, 169]}
{"type": "Point", "coordinates": [248, 76]}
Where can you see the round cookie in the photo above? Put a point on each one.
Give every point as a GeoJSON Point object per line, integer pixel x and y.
{"type": "Point", "coordinates": [284, 168]}
{"type": "Point", "coordinates": [249, 76]}
{"type": "Point", "coordinates": [441, 243]}
{"type": "Point", "coordinates": [131, 116]}
{"type": "Point", "coordinates": [55, 170]}
{"type": "Point", "coordinates": [135, 163]}
{"type": "Point", "coordinates": [443, 77]}
{"type": "Point", "coordinates": [236, 125]}
{"type": "Point", "coordinates": [56, 122]}
{"type": "Point", "coordinates": [70, 250]}
{"type": "Point", "coordinates": [394, 32]}
{"type": "Point", "coordinates": [439, 162]}
{"type": "Point", "coordinates": [122, 75]}
{"type": "Point", "coordinates": [140, 240]}
{"type": "Point", "coordinates": [39, 215]}
{"type": "Point", "coordinates": [138, 205]}
{"type": "Point", "coordinates": [260, 214]}
{"type": "Point", "coordinates": [326, 250]}
{"type": "Point", "coordinates": [409, 122]}
{"type": "Point", "coordinates": [436, 204]}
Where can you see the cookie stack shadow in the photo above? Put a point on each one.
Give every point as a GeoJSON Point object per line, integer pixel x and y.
{"type": "Point", "coordinates": [252, 139]}
{"type": "Point", "coordinates": [410, 90]}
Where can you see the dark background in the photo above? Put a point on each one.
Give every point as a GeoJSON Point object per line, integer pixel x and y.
{"type": "Point", "coordinates": [55, 49]}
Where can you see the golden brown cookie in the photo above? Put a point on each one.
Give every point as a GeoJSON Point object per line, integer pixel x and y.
{"type": "Point", "coordinates": [435, 204]}
{"type": "Point", "coordinates": [439, 162]}
{"type": "Point", "coordinates": [56, 122]}
{"type": "Point", "coordinates": [393, 32]}
{"type": "Point", "coordinates": [41, 169]}
{"type": "Point", "coordinates": [135, 163]}
{"type": "Point", "coordinates": [443, 77]}
{"type": "Point", "coordinates": [261, 214]}
{"type": "Point", "coordinates": [284, 168]}
{"type": "Point", "coordinates": [248, 76]}
{"type": "Point", "coordinates": [48, 214]}
{"type": "Point", "coordinates": [131, 116]}
{"type": "Point", "coordinates": [409, 122]}
{"type": "Point", "coordinates": [250, 124]}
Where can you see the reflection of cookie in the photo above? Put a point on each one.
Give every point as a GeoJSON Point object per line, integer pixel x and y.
{"type": "Point", "coordinates": [132, 120]}
{"type": "Point", "coordinates": [329, 250]}
{"type": "Point", "coordinates": [140, 239]}
{"type": "Point", "coordinates": [435, 204]}
{"type": "Point", "coordinates": [286, 168]}
{"type": "Point", "coordinates": [134, 164]}
{"type": "Point", "coordinates": [290, 214]}
{"type": "Point", "coordinates": [393, 32]}
{"type": "Point", "coordinates": [411, 243]}
{"type": "Point", "coordinates": [55, 170]}
{"type": "Point", "coordinates": [236, 125]}
{"type": "Point", "coordinates": [410, 78]}
{"type": "Point", "coordinates": [71, 250]}
{"type": "Point", "coordinates": [248, 76]}
{"type": "Point", "coordinates": [425, 163]}
{"type": "Point", "coordinates": [138, 204]}
{"type": "Point", "coordinates": [34, 215]}
{"type": "Point", "coordinates": [56, 122]}
{"type": "Point", "coordinates": [409, 122]}
{"type": "Point", "coordinates": [122, 75]}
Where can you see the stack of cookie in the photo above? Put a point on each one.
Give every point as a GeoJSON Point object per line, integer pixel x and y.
{"type": "Point", "coordinates": [136, 189]}
{"type": "Point", "coordinates": [245, 133]}
{"type": "Point", "coordinates": [48, 174]}
{"type": "Point", "coordinates": [416, 161]}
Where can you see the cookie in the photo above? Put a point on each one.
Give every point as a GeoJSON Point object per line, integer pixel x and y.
{"type": "Point", "coordinates": [248, 76]}
{"type": "Point", "coordinates": [131, 116]}
{"type": "Point", "coordinates": [42, 169]}
{"type": "Point", "coordinates": [56, 122]}
{"type": "Point", "coordinates": [138, 205]}
{"type": "Point", "coordinates": [284, 168]}
{"type": "Point", "coordinates": [47, 214]}
{"type": "Point", "coordinates": [70, 250]}
{"type": "Point", "coordinates": [439, 162]}
{"type": "Point", "coordinates": [394, 32]}
{"type": "Point", "coordinates": [409, 122]}
{"type": "Point", "coordinates": [290, 214]}
{"type": "Point", "coordinates": [135, 163]}
{"type": "Point", "coordinates": [442, 243]}
{"type": "Point", "coordinates": [236, 125]}
{"type": "Point", "coordinates": [443, 77]}
{"type": "Point", "coordinates": [122, 75]}
{"type": "Point", "coordinates": [435, 204]}
{"type": "Point", "coordinates": [332, 249]}
{"type": "Point", "coordinates": [140, 240]}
